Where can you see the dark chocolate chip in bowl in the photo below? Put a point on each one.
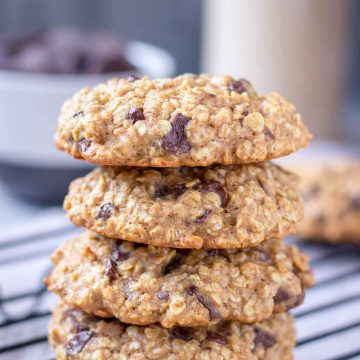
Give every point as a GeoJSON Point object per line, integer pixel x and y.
{"type": "Point", "coordinates": [176, 141]}
{"type": "Point", "coordinates": [212, 185]}
{"type": "Point", "coordinates": [163, 190]}
{"type": "Point", "coordinates": [213, 313]}
{"type": "Point", "coordinates": [215, 336]}
{"type": "Point", "coordinates": [180, 332]}
{"type": "Point", "coordinates": [263, 338]}
{"type": "Point", "coordinates": [202, 218]}
{"type": "Point", "coordinates": [135, 114]}
{"type": "Point", "coordinates": [75, 345]}
{"type": "Point", "coordinates": [106, 211]}
{"type": "Point", "coordinates": [78, 113]}
{"type": "Point", "coordinates": [84, 145]}
{"type": "Point", "coordinates": [281, 296]}
{"type": "Point", "coordinates": [132, 78]}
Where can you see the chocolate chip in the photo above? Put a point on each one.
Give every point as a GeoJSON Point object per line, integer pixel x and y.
{"type": "Point", "coordinates": [77, 326]}
{"type": "Point", "coordinates": [176, 141]}
{"type": "Point", "coordinates": [265, 187]}
{"type": "Point", "coordinates": [262, 256]}
{"type": "Point", "coordinates": [311, 192]}
{"type": "Point", "coordinates": [163, 190]}
{"type": "Point", "coordinates": [135, 114]}
{"type": "Point", "coordinates": [118, 255]}
{"type": "Point", "coordinates": [106, 210]}
{"type": "Point", "coordinates": [162, 295]}
{"type": "Point", "coordinates": [268, 133]}
{"type": "Point", "coordinates": [78, 342]}
{"type": "Point", "coordinates": [132, 78]}
{"type": "Point", "coordinates": [84, 144]}
{"type": "Point", "coordinates": [215, 336]}
{"type": "Point", "coordinates": [110, 269]}
{"type": "Point", "coordinates": [173, 264]}
{"type": "Point", "coordinates": [240, 86]}
{"type": "Point", "coordinates": [355, 203]}
{"type": "Point", "coordinates": [281, 296]}
{"type": "Point", "coordinates": [212, 185]}
{"type": "Point", "coordinates": [202, 218]}
{"type": "Point", "coordinates": [263, 338]}
{"type": "Point", "coordinates": [180, 332]}
{"type": "Point", "coordinates": [213, 313]}
{"type": "Point", "coordinates": [212, 252]}
{"type": "Point", "coordinates": [79, 113]}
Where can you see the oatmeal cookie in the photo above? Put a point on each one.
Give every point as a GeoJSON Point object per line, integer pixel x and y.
{"type": "Point", "coordinates": [75, 335]}
{"type": "Point", "coordinates": [331, 193]}
{"type": "Point", "coordinates": [143, 285]}
{"type": "Point", "coordinates": [192, 120]}
{"type": "Point", "coordinates": [214, 207]}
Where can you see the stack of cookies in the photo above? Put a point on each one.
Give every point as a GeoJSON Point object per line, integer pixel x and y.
{"type": "Point", "coordinates": [183, 257]}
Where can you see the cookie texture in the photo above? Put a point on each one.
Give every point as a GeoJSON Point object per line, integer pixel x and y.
{"type": "Point", "coordinates": [192, 120]}
{"type": "Point", "coordinates": [215, 207]}
{"type": "Point", "coordinates": [332, 201]}
{"type": "Point", "coordinates": [148, 284]}
{"type": "Point", "coordinates": [75, 335]}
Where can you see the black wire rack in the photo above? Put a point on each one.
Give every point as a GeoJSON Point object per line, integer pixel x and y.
{"type": "Point", "coordinates": [328, 323]}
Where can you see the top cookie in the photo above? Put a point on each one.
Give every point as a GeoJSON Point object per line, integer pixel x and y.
{"type": "Point", "coordinates": [192, 120]}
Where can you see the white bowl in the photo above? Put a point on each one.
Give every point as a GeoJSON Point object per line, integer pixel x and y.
{"type": "Point", "coordinates": [30, 105]}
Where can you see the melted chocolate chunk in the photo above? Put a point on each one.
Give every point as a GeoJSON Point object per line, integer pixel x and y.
{"type": "Point", "coordinates": [180, 332]}
{"type": "Point", "coordinates": [84, 145]}
{"type": "Point", "coordinates": [117, 254]}
{"type": "Point", "coordinates": [77, 326]}
{"type": "Point", "coordinates": [212, 185]}
{"type": "Point", "coordinates": [176, 141]}
{"type": "Point", "coordinates": [268, 133]}
{"type": "Point", "coordinates": [78, 342]}
{"type": "Point", "coordinates": [135, 114]}
{"type": "Point", "coordinates": [263, 339]}
{"type": "Point", "coordinates": [215, 336]}
{"type": "Point", "coordinates": [162, 295]}
{"type": "Point", "coordinates": [163, 190]}
{"type": "Point", "coordinates": [110, 269]}
{"type": "Point", "coordinates": [281, 296]}
{"type": "Point", "coordinates": [240, 86]}
{"type": "Point", "coordinates": [213, 313]}
{"type": "Point", "coordinates": [79, 113]}
{"type": "Point", "coordinates": [106, 210]}
{"type": "Point", "coordinates": [202, 218]}
{"type": "Point", "coordinates": [132, 78]}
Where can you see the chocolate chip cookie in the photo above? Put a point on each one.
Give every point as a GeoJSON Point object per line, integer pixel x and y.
{"type": "Point", "coordinates": [146, 284]}
{"type": "Point", "coordinates": [192, 120]}
{"type": "Point", "coordinates": [332, 201]}
{"type": "Point", "coordinates": [214, 207]}
{"type": "Point", "coordinates": [75, 335]}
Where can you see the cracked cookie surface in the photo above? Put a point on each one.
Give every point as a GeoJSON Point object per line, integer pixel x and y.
{"type": "Point", "coordinates": [146, 284]}
{"type": "Point", "coordinates": [331, 193]}
{"type": "Point", "coordinates": [192, 120]}
{"type": "Point", "coordinates": [214, 207]}
{"type": "Point", "coordinates": [75, 335]}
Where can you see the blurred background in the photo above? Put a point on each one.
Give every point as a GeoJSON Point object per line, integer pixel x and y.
{"type": "Point", "coordinates": [307, 50]}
